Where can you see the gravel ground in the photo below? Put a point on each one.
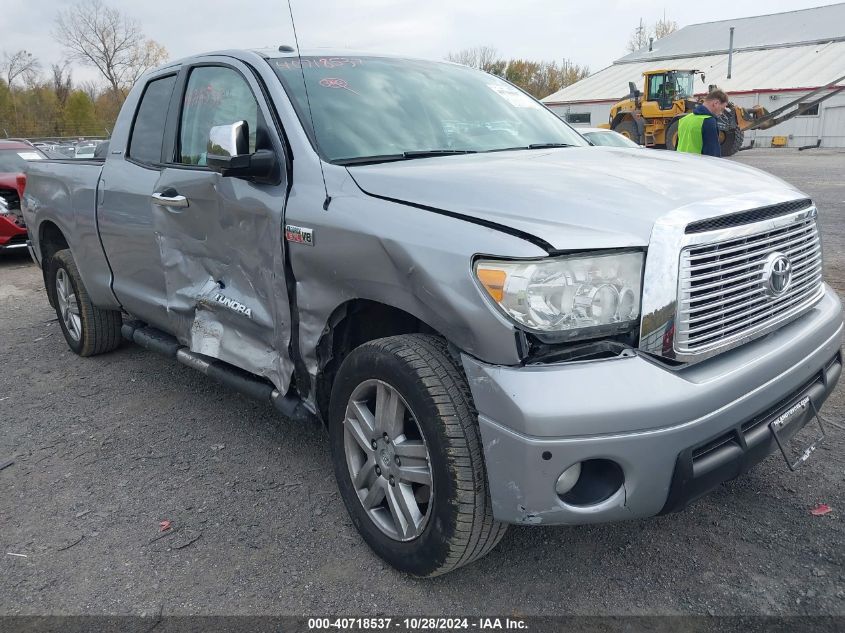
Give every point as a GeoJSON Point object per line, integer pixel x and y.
{"type": "Point", "coordinates": [106, 448]}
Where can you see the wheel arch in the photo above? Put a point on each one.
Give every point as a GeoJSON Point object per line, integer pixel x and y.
{"type": "Point", "coordinates": [51, 240]}
{"type": "Point", "coordinates": [351, 324]}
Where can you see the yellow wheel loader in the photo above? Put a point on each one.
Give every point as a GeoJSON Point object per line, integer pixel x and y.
{"type": "Point", "coordinates": [650, 117]}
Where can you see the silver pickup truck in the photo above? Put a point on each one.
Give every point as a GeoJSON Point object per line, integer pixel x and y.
{"type": "Point", "coordinates": [496, 322]}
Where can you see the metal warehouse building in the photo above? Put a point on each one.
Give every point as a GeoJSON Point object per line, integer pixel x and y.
{"type": "Point", "coordinates": [774, 59]}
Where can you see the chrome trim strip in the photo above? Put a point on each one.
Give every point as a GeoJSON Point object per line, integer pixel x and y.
{"type": "Point", "coordinates": [802, 240]}
{"type": "Point", "coordinates": [750, 334]}
{"type": "Point", "coordinates": [803, 285]}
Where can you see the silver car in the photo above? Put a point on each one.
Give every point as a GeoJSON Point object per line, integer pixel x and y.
{"type": "Point", "coordinates": [606, 138]}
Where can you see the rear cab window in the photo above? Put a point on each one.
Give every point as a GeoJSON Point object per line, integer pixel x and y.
{"type": "Point", "coordinates": [147, 135]}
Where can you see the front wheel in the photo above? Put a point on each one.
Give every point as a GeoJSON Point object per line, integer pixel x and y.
{"type": "Point", "coordinates": [672, 136]}
{"type": "Point", "coordinates": [628, 129]}
{"type": "Point", "coordinates": [407, 455]}
{"type": "Point", "coordinates": [730, 141]}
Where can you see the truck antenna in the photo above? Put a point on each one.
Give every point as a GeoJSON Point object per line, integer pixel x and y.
{"type": "Point", "coordinates": [328, 199]}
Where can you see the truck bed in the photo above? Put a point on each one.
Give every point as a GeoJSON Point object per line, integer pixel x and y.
{"type": "Point", "coordinates": [64, 191]}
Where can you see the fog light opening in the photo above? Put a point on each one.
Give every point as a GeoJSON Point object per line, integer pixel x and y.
{"type": "Point", "coordinates": [598, 481]}
{"type": "Point", "coordinates": [568, 478]}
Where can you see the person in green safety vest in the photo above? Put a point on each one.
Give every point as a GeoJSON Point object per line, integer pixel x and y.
{"type": "Point", "coordinates": [698, 132]}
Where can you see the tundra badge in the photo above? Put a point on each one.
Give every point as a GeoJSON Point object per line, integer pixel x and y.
{"type": "Point", "coordinates": [233, 305]}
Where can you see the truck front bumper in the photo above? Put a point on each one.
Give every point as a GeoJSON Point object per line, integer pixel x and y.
{"type": "Point", "coordinates": [659, 437]}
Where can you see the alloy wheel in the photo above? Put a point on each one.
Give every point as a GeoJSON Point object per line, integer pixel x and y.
{"type": "Point", "coordinates": [68, 306]}
{"type": "Point", "coordinates": [388, 460]}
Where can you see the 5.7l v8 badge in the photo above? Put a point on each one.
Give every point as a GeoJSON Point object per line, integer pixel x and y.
{"type": "Point", "coordinates": [299, 234]}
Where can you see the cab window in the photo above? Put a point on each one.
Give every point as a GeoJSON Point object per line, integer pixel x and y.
{"type": "Point", "coordinates": [215, 95]}
{"type": "Point", "coordinates": [148, 129]}
{"type": "Point", "coordinates": [655, 87]}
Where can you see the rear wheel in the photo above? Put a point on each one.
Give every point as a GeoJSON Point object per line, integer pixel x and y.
{"type": "Point", "coordinates": [628, 129]}
{"type": "Point", "coordinates": [88, 330]}
{"type": "Point", "coordinates": [407, 455]}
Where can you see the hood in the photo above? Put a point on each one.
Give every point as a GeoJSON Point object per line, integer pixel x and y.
{"type": "Point", "coordinates": [576, 197]}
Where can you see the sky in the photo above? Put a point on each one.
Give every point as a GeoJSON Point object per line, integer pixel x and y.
{"type": "Point", "coordinates": [587, 32]}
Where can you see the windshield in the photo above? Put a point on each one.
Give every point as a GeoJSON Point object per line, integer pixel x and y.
{"type": "Point", "coordinates": [14, 160]}
{"type": "Point", "coordinates": [382, 107]}
{"type": "Point", "coordinates": [609, 139]}
{"type": "Point", "coordinates": [683, 84]}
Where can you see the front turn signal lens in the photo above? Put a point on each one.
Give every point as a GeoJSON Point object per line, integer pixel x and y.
{"type": "Point", "coordinates": [493, 280]}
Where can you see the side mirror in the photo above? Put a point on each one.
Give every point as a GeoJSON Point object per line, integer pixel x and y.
{"type": "Point", "coordinates": [703, 79]}
{"type": "Point", "coordinates": [227, 153]}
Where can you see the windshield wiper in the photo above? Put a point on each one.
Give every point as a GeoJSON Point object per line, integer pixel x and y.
{"type": "Point", "coordinates": [422, 153]}
{"type": "Point", "coordinates": [532, 146]}
{"type": "Point", "coordinates": [409, 155]}
{"type": "Point", "coordinates": [368, 160]}
{"type": "Point", "coordinates": [547, 145]}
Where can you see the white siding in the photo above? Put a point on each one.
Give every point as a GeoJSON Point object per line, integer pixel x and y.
{"type": "Point", "coordinates": [801, 130]}
{"type": "Point", "coordinates": [833, 125]}
{"type": "Point", "coordinates": [599, 112]}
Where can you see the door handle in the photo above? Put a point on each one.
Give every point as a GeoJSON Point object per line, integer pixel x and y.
{"type": "Point", "coordinates": [177, 202]}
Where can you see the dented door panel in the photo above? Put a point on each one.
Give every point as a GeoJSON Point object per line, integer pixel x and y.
{"type": "Point", "coordinates": [221, 257]}
{"type": "Point", "coordinates": [222, 253]}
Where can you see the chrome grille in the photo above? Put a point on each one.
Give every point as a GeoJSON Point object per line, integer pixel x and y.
{"type": "Point", "coordinates": [722, 292]}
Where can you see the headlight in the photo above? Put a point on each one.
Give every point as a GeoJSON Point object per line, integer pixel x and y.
{"type": "Point", "coordinates": [578, 296]}
{"type": "Point", "coordinates": [4, 206]}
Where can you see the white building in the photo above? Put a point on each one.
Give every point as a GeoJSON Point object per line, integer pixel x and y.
{"type": "Point", "coordinates": [776, 58]}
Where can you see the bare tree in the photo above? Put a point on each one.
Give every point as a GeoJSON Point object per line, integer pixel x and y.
{"type": "Point", "coordinates": [62, 82]}
{"type": "Point", "coordinates": [113, 43]}
{"type": "Point", "coordinates": [571, 73]}
{"type": "Point", "coordinates": [639, 38]}
{"type": "Point", "coordinates": [91, 88]}
{"type": "Point", "coordinates": [641, 35]}
{"type": "Point", "coordinates": [148, 55]}
{"type": "Point", "coordinates": [664, 27]}
{"type": "Point", "coordinates": [484, 58]}
{"type": "Point", "coordinates": [21, 64]}
{"type": "Point", "coordinates": [537, 78]}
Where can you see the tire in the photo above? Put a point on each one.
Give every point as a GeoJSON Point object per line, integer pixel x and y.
{"type": "Point", "coordinates": [672, 136]}
{"type": "Point", "coordinates": [730, 141]}
{"type": "Point", "coordinates": [453, 522]}
{"type": "Point", "coordinates": [88, 329]}
{"type": "Point", "coordinates": [628, 129]}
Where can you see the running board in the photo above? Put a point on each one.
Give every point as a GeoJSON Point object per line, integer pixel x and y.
{"type": "Point", "coordinates": [225, 373]}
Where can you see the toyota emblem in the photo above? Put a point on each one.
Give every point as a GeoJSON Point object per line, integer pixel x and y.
{"type": "Point", "coordinates": [777, 274]}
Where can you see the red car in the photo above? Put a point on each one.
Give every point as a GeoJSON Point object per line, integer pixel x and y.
{"type": "Point", "coordinates": [13, 158]}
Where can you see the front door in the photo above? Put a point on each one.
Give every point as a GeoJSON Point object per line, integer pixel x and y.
{"type": "Point", "coordinates": [221, 237]}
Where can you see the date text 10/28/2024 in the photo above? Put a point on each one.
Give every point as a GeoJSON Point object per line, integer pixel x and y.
{"type": "Point", "coordinates": [416, 624]}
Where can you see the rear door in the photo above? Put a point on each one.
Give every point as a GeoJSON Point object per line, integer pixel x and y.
{"type": "Point", "coordinates": [124, 211]}
{"type": "Point", "coordinates": [221, 239]}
